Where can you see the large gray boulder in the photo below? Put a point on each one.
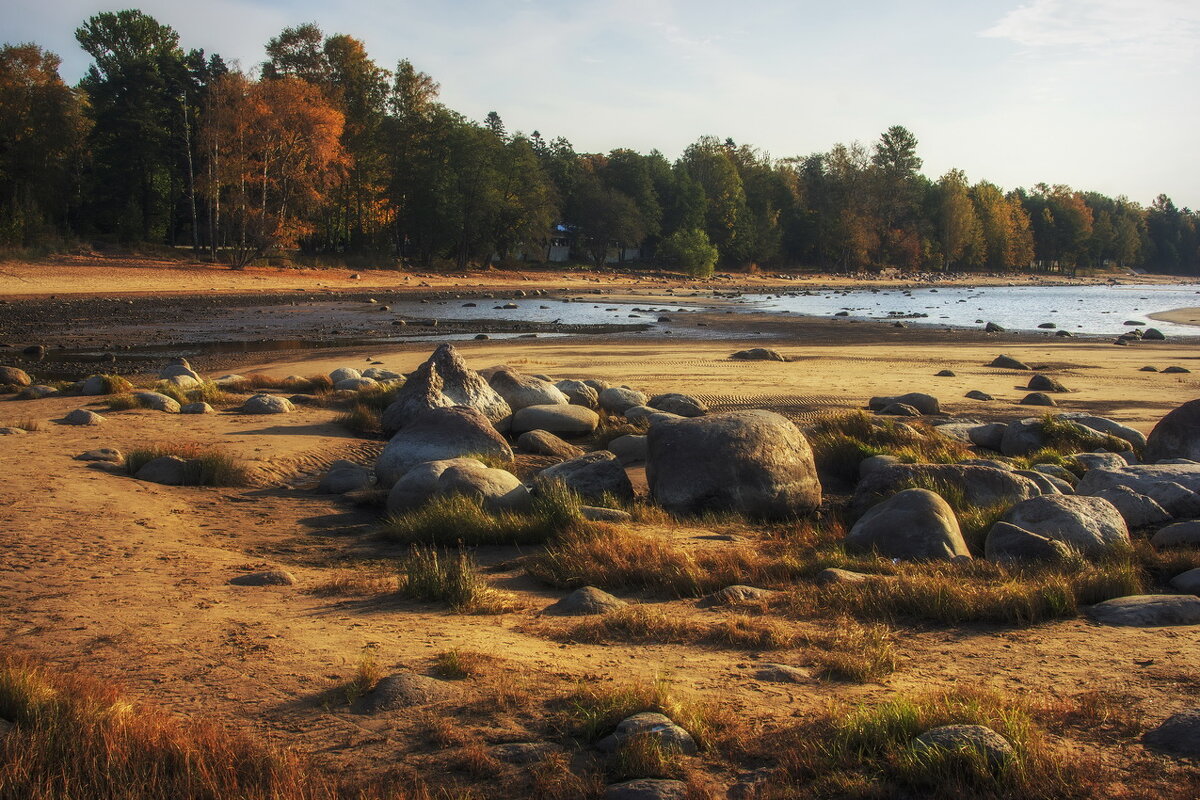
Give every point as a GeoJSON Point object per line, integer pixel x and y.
{"type": "Point", "coordinates": [345, 476]}
{"type": "Point", "coordinates": [925, 403]}
{"type": "Point", "coordinates": [544, 443]}
{"type": "Point", "coordinates": [443, 380]}
{"type": "Point", "coordinates": [14, 376]}
{"type": "Point", "coordinates": [559, 418]}
{"type": "Point", "coordinates": [1172, 486]}
{"type": "Point", "coordinates": [1180, 534]}
{"type": "Point", "coordinates": [619, 399]}
{"type": "Point", "coordinates": [344, 374]}
{"type": "Point", "coordinates": [1148, 610]}
{"type": "Point", "coordinates": [912, 525]}
{"type": "Point", "coordinates": [1006, 544]}
{"type": "Point", "coordinates": [157, 402]}
{"type": "Point", "coordinates": [495, 489]}
{"type": "Point", "coordinates": [591, 476]}
{"type": "Point", "coordinates": [754, 462]}
{"type": "Point", "coordinates": [629, 449]}
{"type": "Point", "coordinates": [682, 404]}
{"type": "Point", "coordinates": [1090, 525]}
{"type": "Point", "coordinates": [982, 487]}
{"type": "Point", "coordinates": [1178, 735]}
{"type": "Point", "coordinates": [1105, 425]}
{"type": "Point", "coordinates": [989, 435]}
{"type": "Point", "coordinates": [579, 393]}
{"type": "Point", "coordinates": [167, 470]}
{"type": "Point", "coordinates": [521, 391]}
{"type": "Point", "coordinates": [1177, 435]}
{"type": "Point", "coordinates": [585, 601]}
{"type": "Point", "coordinates": [82, 416]}
{"type": "Point", "coordinates": [436, 434]}
{"type": "Point", "coordinates": [267, 404]}
{"type": "Point", "coordinates": [1138, 510]}
{"type": "Point", "coordinates": [651, 724]}
{"type": "Point", "coordinates": [1025, 436]}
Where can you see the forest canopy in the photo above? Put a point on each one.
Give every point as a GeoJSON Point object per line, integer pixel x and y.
{"type": "Point", "coordinates": [323, 151]}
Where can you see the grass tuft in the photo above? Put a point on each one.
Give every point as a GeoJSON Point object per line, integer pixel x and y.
{"type": "Point", "coordinates": [854, 652]}
{"type": "Point", "coordinates": [458, 664]}
{"type": "Point", "coordinates": [461, 519]}
{"type": "Point", "coordinates": [451, 577]}
{"type": "Point", "coordinates": [642, 624]}
{"type": "Point", "coordinates": [30, 425]}
{"type": "Point", "coordinates": [840, 443]}
{"type": "Point", "coordinates": [207, 466]}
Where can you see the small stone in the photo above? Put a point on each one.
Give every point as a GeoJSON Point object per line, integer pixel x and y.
{"type": "Point", "coordinates": [980, 738]}
{"type": "Point", "coordinates": [109, 454]}
{"type": "Point", "coordinates": [404, 690]}
{"type": "Point", "coordinates": [270, 577]}
{"type": "Point", "coordinates": [781, 673]}
{"type": "Point", "coordinates": [81, 416]}
{"type": "Point", "coordinates": [585, 601]}
{"type": "Point", "coordinates": [196, 408]}
{"type": "Point", "coordinates": [647, 789]}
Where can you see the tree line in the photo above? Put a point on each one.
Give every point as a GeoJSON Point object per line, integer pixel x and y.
{"type": "Point", "coordinates": [322, 150]}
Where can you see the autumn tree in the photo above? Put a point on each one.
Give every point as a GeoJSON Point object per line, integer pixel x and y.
{"type": "Point", "coordinates": [960, 232]}
{"type": "Point", "coordinates": [41, 133]}
{"type": "Point", "coordinates": [274, 153]}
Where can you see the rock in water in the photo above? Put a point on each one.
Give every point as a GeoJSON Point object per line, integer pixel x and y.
{"type": "Point", "coordinates": [754, 462]}
{"type": "Point", "coordinates": [436, 434]}
{"type": "Point", "coordinates": [913, 525]}
{"type": "Point", "coordinates": [442, 381]}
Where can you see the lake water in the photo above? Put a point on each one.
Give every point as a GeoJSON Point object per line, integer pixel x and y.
{"type": "Point", "coordinates": [1078, 309]}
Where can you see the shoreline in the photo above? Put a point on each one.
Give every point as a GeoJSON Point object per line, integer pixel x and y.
{"type": "Point", "coordinates": [1188, 315]}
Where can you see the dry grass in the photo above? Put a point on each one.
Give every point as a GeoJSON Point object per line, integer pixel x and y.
{"type": "Point", "coordinates": [362, 419]}
{"type": "Point", "coordinates": [31, 425]}
{"type": "Point", "coordinates": [206, 392]}
{"type": "Point", "coordinates": [207, 465]}
{"type": "Point", "coordinates": [842, 442]}
{"type": "Point", "coordinates": [450, 519]}
{"type": "Point", "coordinates": [362, 581]}
{"type": "Point", "coordinates": [81, 739]}
{"type": "Point", "coordinates": [850, 651]}
{"type": "Point", "coordinates": [643, 624]}
{"type": "Point", "coordinates": [451, 577]}
{"type": "Point", "coordinates": [458, 663]}
{"type": "Point", "coordinates": [614, 426]}
{"type": "Point", "coordinates": [644, 756]}
{"type": "Point", "coordinates": [612, 557]}
{"type": "Point", "coordinates": [1068, 437]}
{"type": "Point", "coordinates": [312, 384]}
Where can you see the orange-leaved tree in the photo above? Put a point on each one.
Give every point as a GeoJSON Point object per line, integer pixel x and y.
{"type": "Point", "coordinates": [273, 154]}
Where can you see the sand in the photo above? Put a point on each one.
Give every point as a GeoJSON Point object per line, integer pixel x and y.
{"type": "Point", "coordinates": [129, 580]}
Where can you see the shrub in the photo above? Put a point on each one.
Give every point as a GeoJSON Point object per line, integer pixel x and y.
{"type": "Point", "coordinates": [457, 518]}
{"type": "Point", "coordinates": [207, 466]}
{"type": "Point", "coordinates": [692, 250]}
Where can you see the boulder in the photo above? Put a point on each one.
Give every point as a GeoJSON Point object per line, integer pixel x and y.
{"type": "Point", "coordinates": [912, 525]}
{"type": "Point", "coordinates": [945, 373]}
{"type": "Point", "coordinates": [171, 371]}
{"type": "Point", "coordinates": [975, 394]}
{"type": "Point", "coordinates": [993, 327]}
{"type": "Point", "coordinates": [1148, 610]}
{"type": "Point", "coordinates": [270, 577]}
{"type": "Point", "coordinates": [1153, 334]}
{"type": "Point", "coordinates": [345, 476]}
{"type": "Point", "coordinates": [1044, 383]}
{"type": "Point", "coordinates": [1176, 371]}
{"type": "Point", "coordinates": [544, 443]}
{"type": "Point", "coordinates": [737, 593]}
{"type": "Point", "coordinates": [754, 462]}
{"type": "Point", "coordinates": [598, 514]}
{"type": "Point", "coordinates": [1090, 461]}
{"type": "Point", "coordinates": [981, 487]}
{"type": "Point", "coordinates": [267, 404]}
{"type": "Point", "coordinates": [167, 470]}
{"type": "Point", "coordinates": [1178, 735]}
{"type": "Point", "coordinates": [560, 419]}
{"type": "Point", "coordinates": [579, 393]}
{"type": "Point", "coordinates": [521, 391]}
{"type": "Point", "coordinates": [1090, 525]}
{"type": "Point", "coordinates": [13, 376]}
{"type": "Point", "coordinates": [833, 575]}
{"type": "Point", "coordinates": [404, 690]}
{"type": "Point", "coordinates": [619, 399]}
{"type": "Point", "coordinates": [757, 354]}
{"type": "Point", "coordinates": [157, 402]}
{"type": "Point", "coordinates": [660, 727]}
{"type": "Point", "coordinates": [81, 416]}
{"type": "Point", "coordinates": [994, 748]}
{"type": "Point", "coordinates": [924, 403]}
{"type": "Point", "coordinates": [496, 489]}
{"type": "Point", "coordinates": [958, 431]}
{"type": "Point", "coordinates": [1138, 510]}
{"type": "Point", "coordinates": [1179, 534]}
{"type": "Point", "coordinates": [1177, 435]}
{"type": "Point", "coordinates": [899, 410]}
{"type": "Point", "coordinates": [381, 375]}
{"type": "Point", "coordinates": [1008, 362]}
{"type": "Point", "coordinates": [443, 380]}
{"type": "Point", "coordinates": [1037, 399]}
{"type": "Point", "coordinates": [629, 449]}
{"type": "Point", "coordinates": [989, 435]}
{"type": "Point", "coordinates": [196, 408]}
{"type": "Point", "coordinates": [1007, 543]}
{"type": "Point", "coordinates": [1045, 483]}
{"type": "Point", "coordinates": [37, 391]}
{"type": "Point", "coordinates": [681, 404]}
{"type": "Point", "coordinates": [1172, 486]}
{"type": "Point", "coordinates": [591, 476]}
{"type": "Point", "coordinates": [781, 673]}
{"type": "Point", "coordinates": [1025, 436]}
{"type": "Point", "coordinates": [344, 374]}
{"type": "Point", "coordinates": [585, 601]}
{"type": "Point", "coordinates": [1187, 582]}
{"type": "Point", "coordinates": [1105, 425]}
{"type": "Point", "coordinates": [108, 454]}
{"type": "Point", "coordinates": [436, 434]}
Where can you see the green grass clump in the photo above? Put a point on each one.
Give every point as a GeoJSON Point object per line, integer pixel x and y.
{"type": "Point", "coordinates": [458, 664]}
{"type": "Point", "coordinates": [850, 651]}
{"type": "Point", "coordinates": [434, 575]}
{"type": "Point", "coordinates": [207, 466]}
{"type": "Point", "coordinates": [842, 442]}
{"type": "Point", "coordinates": [362, 419]}
{"type": "Point", "coordinates": [448, 519]}
{"type": "Point", "coordinates": [1066, 436]}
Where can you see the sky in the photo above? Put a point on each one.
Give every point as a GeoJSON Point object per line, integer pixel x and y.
{"type": "Point", "coordinates": [1097, 94]}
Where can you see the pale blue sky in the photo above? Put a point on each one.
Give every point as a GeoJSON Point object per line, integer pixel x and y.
{"type": "Point", "coordinates": [1098, 94]}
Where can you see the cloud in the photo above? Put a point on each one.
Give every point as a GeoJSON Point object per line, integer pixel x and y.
{"type": "Point", "coordinates": [1162, 35]}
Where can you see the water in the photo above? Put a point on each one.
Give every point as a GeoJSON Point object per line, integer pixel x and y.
{"type": "Point", "coordinates": [1078, 309]}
